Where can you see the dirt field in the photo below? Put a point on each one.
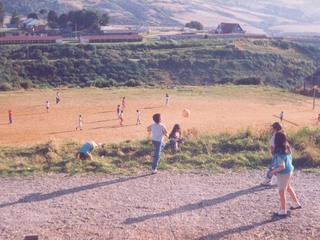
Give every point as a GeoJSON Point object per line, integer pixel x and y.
{"type": "Point", "coordinates": [213, 109]}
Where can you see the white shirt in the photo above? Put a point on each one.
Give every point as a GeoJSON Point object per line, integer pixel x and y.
{"type": "Point", "coordinates": [158, 130]}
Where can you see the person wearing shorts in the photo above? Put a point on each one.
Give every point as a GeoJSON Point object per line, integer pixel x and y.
{"type": "Point", "coordinates": [283, 169]}
{"type": "Point", "coordinates": [86, 150]}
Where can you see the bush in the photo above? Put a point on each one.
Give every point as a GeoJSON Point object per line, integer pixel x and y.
{"type": "Point", "coordinates": [249, 81]}
{"type": "Point", "coordinates": [27, 84]}
{"type": "Point", "coordinates": [5, 86]}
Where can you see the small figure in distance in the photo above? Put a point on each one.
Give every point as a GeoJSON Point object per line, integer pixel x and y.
{"type": "Point", "coordinates": [79, 123]}
{"type": "Point", "coordinates": [85, 151]}
{"type": "Point", "coordinates": [10, 116]}
{"type": "Point", "coordinates": [167, 99]}
{"type": "Point", "coordinates": [318, 121]}
{"type": "Point", "coordinates": [47, 106]}
{"type": "Point", "coordinates": [57, 97]}
{"type": "Point", "coordinates": [138, 116]}
{"type": "Point", "coordinates": [123, 102]}
{"type": "Point", "coordinates": [118, 111]}
{"type": "Point", "coordinates": [176, 139]}
{"type": "Point", "coordinates": [281, 116]}
{"type": "Point", "coordinates": [121, 118]}
{"type": "Point", "coordinates": [158, 131]}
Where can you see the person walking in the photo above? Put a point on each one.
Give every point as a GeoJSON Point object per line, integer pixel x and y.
{"type": "Point", "coordinates": [123, 103]}
{"type": "Point", "coordinates": [281, 116]}
{"type": "Point", "coordinates": [138, 117]}
{"type": "Point", "coordinates": [121, 118]}
{"type": "Point", "coordinates": [275, 127]}
{"type": "Point", "coordinates": [118, 111]}
{"type": "Point", "coordinates": [57, 97]}
{"type": "Point", "coordinates": [79, 123]}
{"type": "Point", "coordinates": [10, 116]}
{"type": "Point", "coordinates": [283, 169]}
{"type": "Point", "coordinates": [158, 131]}
{"type": "Point", "coordinates": [167, 99]}
{"type": "Point", "coordinates": [47, 106]}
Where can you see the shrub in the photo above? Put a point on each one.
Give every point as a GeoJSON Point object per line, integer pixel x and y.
{"type": "Point", "coordinates": [4, 86]}
{"type": "Point", "coordinates": [249, 81]}
{"type": "Point", "coordinates": [27, 84]}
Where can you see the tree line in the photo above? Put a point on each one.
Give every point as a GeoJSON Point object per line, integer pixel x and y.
{"type": "Point", "coordinates": [78, 20]}
{"type": "Point", "coordinates": [202, 62]}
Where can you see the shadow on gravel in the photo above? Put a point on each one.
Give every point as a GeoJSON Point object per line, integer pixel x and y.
{"type": "Point", "coordinates": [195, 206]}
{"type": "Point", "coordinates": [37, 197]}
{"type": "Point", "coordinates": [225, 233]}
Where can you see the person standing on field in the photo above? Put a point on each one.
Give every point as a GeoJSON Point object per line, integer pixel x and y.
{"type": "Point", "coordinates": [47, 106]}
{"type": "Point", "coordinates": [158, 131]}
{"type": "Point", "coordinates": [123, 103]}
{"type": "Point", "coordinates": [167, 99]}
{"type": "Point", "coordinates": [281, 116]}
{"type": "Point", "coordinates": [79, 123]}
{"type": "Point", "coordinates": [138, 116]}
{"type": "Point", "coordinates": [118, 111]}
{"type": "Point", "coordinates": [57, 97]}
{"type": "Point", "coordinates": [10, 116]}
{"type": "Point", "coordinates": [121, 117]}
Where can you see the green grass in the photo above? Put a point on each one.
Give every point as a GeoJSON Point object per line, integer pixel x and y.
{"type": "Point", "coordinates": [246, 149]}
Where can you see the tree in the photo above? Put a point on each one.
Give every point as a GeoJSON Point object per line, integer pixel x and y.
{"type": "Point", "coordinates": [33, 15]}
{"type": "Point", "coordinates": [195, 25]}
{"type": "Point", "coordinates": [53, 19]}
{"type": "Point", "coordinates": [2, 13]}
{"type": "Point", "coordinates": [63, 20]}
{"type": "Point", "coordinates": [88, 19]}
{"type": "Point", "coordinates": [43, 12]}
{"type": "Point", "coordinates": [15, 17]}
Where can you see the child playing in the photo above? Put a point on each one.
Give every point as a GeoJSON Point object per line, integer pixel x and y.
{"type": "Point", "coordinates": [138, 116]}
{"type": "Point", "coordinates": [275, 127]}
{"type": "Point", "coordinates": [118, 111]}
{"type": "Point", "coordinates": [283, 169]}
{"type": "Point", "coordinates": [10, 116]}
{"type": "Point", "coordinates": [158, 131]}
{"type": "Point", "coordinates": [86, 150]}
{"type": "Point", "coordinates": [121, 117]}
{"type": "Point", "coordinates": [79, 123]}
{"type": "Point", "coordinates": [47, 106]}
{"type": "Point", "coordinates": [176, 137]}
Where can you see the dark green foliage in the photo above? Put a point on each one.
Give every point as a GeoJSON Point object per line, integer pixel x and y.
{"type": "Point", "coordinates": [204, 62]}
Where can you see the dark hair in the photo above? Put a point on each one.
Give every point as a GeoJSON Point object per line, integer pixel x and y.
{"type": "Point", "coordinates": [277, 126]}
{"type": "Point", "coordinates": [176, 127]}
{"type": "Point", "coordinates": [280, 143]}
{"type": "Point", "coordinates": [156, 117]}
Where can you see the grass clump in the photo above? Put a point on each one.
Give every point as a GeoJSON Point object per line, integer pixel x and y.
{"type": "Point", "coordinates": [241, 150]}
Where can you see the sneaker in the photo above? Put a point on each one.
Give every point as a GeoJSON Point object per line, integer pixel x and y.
{"type": "Point", "coordinates": [154, 171]}
{"type": "Point", "coordinates": [266, 182]}
{"type": "Point", "coordinates": [281, 213]}
{"type": "Point", "coordinates": [295, 206]}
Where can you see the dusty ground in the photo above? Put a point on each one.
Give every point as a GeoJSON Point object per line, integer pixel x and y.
{"type": "Point", "coordinates": [168, 205]}
{"type": "Point", "coordinates": [219, 109]}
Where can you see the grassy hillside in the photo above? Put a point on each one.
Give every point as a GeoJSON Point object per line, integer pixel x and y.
{"type": "Point", "coordinates": [203, 62]}
{"type": "Point", "coordinates": [280, 17]}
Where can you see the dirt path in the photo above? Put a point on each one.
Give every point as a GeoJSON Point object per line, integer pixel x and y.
{"type": "Point", "coordinates": [168, 205]}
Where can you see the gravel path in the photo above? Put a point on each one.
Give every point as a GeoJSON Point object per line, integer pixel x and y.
{"type": "Point", "coordinates": [167, 205]}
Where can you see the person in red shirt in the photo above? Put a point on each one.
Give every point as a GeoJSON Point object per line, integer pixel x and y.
{"type": "Point", "coordinates": [10, 116]}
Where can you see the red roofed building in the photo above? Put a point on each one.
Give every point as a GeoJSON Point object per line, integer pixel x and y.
{"type": "Point", "coordinates": [229, 28]}
{"type": "Point", "coordinates": [31, 40]}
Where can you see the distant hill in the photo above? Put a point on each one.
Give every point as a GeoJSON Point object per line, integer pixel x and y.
{"type": "Point", "coordinates": [282, 17]}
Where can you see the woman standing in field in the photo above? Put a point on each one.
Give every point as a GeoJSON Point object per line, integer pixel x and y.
{"type": "Point", "coordinates": [283, 169]}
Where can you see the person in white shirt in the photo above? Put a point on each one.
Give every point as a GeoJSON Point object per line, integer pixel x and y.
{"type": "Point", "coordinates": [158, 131]}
